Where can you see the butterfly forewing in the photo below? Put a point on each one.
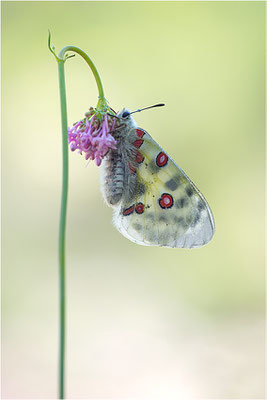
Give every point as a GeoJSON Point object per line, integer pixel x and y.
{"type": "Point", "coordinates": [164, 208]}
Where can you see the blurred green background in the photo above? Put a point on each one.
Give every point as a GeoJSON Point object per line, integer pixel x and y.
{"type": "Point", "coordinates": [141, 322]}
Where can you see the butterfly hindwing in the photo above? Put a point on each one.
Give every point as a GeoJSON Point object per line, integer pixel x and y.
{"type": "Point", "coordinates": [165, 208]}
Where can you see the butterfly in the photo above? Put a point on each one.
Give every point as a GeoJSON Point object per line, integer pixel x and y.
{"type": "Point", "coordinates": [154, 201]}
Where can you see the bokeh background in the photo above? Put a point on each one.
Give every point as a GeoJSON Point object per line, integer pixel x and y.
{"type": "Point", "coordinates": [141, 322]}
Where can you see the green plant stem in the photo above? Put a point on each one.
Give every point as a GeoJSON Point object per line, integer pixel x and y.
{"type": "Point", "coordinates": [62, 225]}
{"type": "Point", "coordinates": [102, 106]}
{"type": "Point", "coordinates": [75, 49]}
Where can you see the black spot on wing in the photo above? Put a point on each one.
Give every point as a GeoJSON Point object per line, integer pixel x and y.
{"type": "Point", "coordinates": [163, 218]}
{"type": "Point", "coordinates": [197, 218]}
{"type": "Point", "coordinates": [172, 184]}
{"type": "Point", "coordinates": [189, 191]}
{"type": "Point", "coordinates": [200, 206]}
{"type": "Point", "coordinates": [137, 227]}
{"type": "Point", "coordinates": [181, 203]}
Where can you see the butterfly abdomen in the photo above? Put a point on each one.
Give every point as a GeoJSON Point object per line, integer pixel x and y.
{"type": "Point", "coordinates": [113, 177]}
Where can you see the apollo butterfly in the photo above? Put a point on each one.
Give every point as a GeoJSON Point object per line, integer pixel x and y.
{"type": "Point", "coordinates": [154, 201]}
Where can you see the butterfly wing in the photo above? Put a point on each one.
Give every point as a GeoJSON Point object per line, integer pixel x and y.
{"type": "Point", "coordinates": [165, 208]}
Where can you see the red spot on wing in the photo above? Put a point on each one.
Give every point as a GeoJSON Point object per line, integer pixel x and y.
{"type": "Point", "coordinates": [139, 208]}
{"type": "Point", "coordinates": [139, 158]}
{"type": "Point", "coordinates": [138, 143]}
{"type": "Point", "coordinates": [128, 210]}
{"type": "Point", "coordinates": [166, 200]}
{"type": "Point", "coordinates": [131, 168]}
{"type": "Point", "coordinates": [140, 133]}
{"type": "Point", "coordinates": [161, 159]}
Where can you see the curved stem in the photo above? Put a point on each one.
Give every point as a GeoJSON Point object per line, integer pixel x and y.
{"type": "Point", "coordinates": [62, 225]}
{"type": "Point", "coordinates": [61, 56]}
{"type": "Point", "coordinates": [102, 106]}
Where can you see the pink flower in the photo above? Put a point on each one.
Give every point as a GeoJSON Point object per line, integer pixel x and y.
{"type": "Point", "coordinates": [93, 136]}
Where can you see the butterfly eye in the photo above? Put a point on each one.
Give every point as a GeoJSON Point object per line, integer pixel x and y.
{"type": "Point", "coordinates": [126, 114]}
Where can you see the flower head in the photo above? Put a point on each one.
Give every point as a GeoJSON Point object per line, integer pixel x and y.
{"type": "Point", "coordinates": [93, 135]}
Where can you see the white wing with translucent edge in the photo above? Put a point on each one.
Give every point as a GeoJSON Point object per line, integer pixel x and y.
{"type": "Point", "coordinates": [166, 208]}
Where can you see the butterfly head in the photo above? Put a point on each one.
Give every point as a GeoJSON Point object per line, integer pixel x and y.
{"type": "Point", "coordinates": [126, 118]}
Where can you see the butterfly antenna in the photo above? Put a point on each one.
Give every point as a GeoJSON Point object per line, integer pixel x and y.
{"type": "Point", "coordinates": [111, 115]}
{"type": "Point", "coordinates": [146, 108]}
